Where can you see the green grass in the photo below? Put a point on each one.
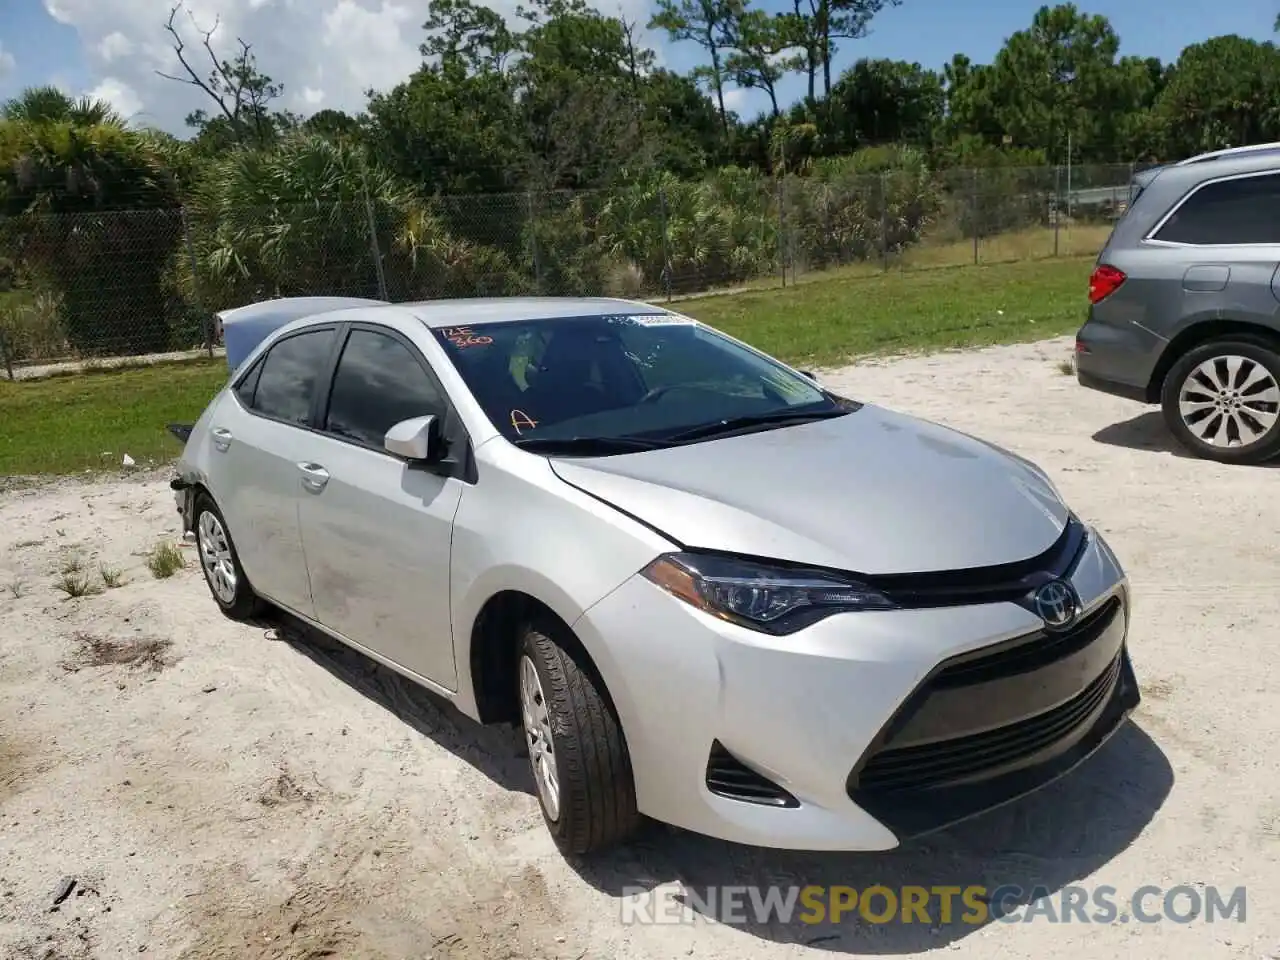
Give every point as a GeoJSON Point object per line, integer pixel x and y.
{"type": "Point", "coordinates": [91, 420]}
{"type": "Point", "coordinates": [165, 560]}
{"type": "Point", "coordinates": [71, 423]}
{"type": "Point", "coordinates": [826, 323]}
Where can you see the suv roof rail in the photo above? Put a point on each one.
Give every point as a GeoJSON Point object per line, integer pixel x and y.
{"type": "Point", "coordinates": [1230, 152]}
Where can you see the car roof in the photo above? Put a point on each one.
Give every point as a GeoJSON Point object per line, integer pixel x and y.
{"type": "Point", "coordinates": [1164, 187]}
{"type": "Point", "coordinates": [245, 328]}
{"type": "Point", "coordinates": [464, 312]}
{"type": "Point", "coordinates": [1189, 173]}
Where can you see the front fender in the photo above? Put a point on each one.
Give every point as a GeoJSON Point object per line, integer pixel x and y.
{"type": "Point", "coordinates": [521, 528]}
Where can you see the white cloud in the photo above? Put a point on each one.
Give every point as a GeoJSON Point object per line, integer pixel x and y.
{"type": "Point", "coordinates": [7, 63]}
{"type": "Point", "coordinates": [119, 94]}
{"type": "Point", "coordinates": [114, 46]}
{"type": "Point", "coordinates": [327, 53]}
{"type": "Point", "coordinates": [370, 48]}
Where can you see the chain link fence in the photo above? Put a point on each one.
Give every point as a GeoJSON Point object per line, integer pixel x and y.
{"type": "Point", "coordinates": [89, 287]}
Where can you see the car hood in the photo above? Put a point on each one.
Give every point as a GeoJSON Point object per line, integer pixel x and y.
{"type": "Point", "coordinates": [873, 492]}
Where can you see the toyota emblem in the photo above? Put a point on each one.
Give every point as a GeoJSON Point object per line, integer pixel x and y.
{"type": "Point", "coordinates": [1056, 604]}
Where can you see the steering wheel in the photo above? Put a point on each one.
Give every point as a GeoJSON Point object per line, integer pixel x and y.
{"type": "Point", "coordinates": [772, 392]}
{"type": "Point", "coordinates": [663, 390]}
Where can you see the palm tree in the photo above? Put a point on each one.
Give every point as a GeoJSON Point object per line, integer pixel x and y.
{"type": "Point", "coordinates": [90, 206]}
{"type": "Point", "coordinates": [49, 104]}
{"type": "Point", "coordinates": [296, 219]}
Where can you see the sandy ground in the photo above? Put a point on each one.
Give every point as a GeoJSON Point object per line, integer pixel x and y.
{"type": "Point", "coordinates": [227, 791]}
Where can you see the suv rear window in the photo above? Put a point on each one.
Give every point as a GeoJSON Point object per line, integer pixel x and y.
{"type": "Point", "coordinates": [1245, 210]}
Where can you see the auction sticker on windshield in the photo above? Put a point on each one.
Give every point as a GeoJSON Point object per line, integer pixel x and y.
{"type": "Point", "coordinates": [659, 320]}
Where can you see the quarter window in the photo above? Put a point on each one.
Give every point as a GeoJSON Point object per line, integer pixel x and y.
{"type": "Point", "coordinates": [289, 374]}
{"type": "Point", "coordinates": [249, 384]}
{"type": "Point", "coordinates": [378, 383]}
{"type": "Point", "coordinates": [1241, 211]}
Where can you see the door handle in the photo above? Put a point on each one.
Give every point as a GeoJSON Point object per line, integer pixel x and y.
{"type": "Point", "coordinates": [221, 438]}
{"type": "Point", "coordinates": [314, 476]}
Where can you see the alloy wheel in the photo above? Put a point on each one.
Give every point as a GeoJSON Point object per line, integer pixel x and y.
{"type": "Point", "coordinates": [537, 732]}
{"type": "Point", "coordinates": [1229, 401]}
{"type": "Point", "coordinates": [215, 557]}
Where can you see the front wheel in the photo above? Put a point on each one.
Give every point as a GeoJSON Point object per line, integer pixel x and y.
{"type": "Point", "coordinates": [1222, 401]}
{"type": "Point", "coordinates": [220, 563]}
{"type": "Point", "coordinates": [578, 756]}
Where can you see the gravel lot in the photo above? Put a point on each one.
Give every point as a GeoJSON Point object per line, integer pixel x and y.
{"type": "Point", "coordinates": [219, 790]}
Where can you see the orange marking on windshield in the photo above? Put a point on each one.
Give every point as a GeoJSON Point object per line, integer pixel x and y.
{"type": "Point", "coordinates": [465, 337]}
{"type": "Point", "coordinates": [521, 421]}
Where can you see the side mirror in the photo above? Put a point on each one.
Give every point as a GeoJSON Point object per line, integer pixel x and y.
{"type": "Point", "coordinates": [416, 440]}
{"type": "Point", "coordinates": [810, 375]}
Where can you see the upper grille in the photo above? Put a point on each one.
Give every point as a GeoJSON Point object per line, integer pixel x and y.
{"type": "Point", "coordinates": [994, 584]}
{"type": "Point", "coordinates": [1025, 653]}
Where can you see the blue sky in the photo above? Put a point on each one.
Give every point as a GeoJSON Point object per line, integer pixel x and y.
{"type": "Point", "coordinates": [102, 46]}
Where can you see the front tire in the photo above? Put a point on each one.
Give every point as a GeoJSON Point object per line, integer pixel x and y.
{"type": "Point", "coordinates": [221, 564]}
{"type": "Point", "coordinates": [577, 753]}
{"type": "Point", "coordinates": [1221, 400]}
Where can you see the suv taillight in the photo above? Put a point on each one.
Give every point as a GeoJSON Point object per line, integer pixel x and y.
{"type": "Point", "coordinates": [1104, 282]}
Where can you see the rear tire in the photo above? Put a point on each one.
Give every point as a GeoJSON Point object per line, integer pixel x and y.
{"type": "Point", "coordinates": [220, 563]}
{"type": "Point", "coordinates": [577, 753]}
{"type": "Point", "coordinates": [1221, 400]}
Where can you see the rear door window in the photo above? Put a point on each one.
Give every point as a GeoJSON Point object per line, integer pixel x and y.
{"type": "Point", "coordinates": [1245, 210]}
{"type": "Point", "coordinates": [290, 371]}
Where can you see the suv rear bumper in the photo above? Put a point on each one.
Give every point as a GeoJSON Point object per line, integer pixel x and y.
{"type": "Point", "coordinates": [1113, 387]}
{"type": "Point", "coordinates": [1116, 358]}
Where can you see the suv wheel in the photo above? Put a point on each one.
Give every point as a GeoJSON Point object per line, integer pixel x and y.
{"type": "Point", "coordinates": [220, 563]}
{"type": "Point", "coordinates": [1222, 400]}
{"type": "Point", "coordinates": [578, 757]}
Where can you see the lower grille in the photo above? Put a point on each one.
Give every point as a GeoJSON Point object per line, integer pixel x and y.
{"type": "Point", "coordinates": [930, 765]}
{"type": "Point", "coordinates": [728, 777]}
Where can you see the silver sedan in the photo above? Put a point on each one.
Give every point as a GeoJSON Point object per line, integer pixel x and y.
{"type": "Point", "coordinates": [711, 591]}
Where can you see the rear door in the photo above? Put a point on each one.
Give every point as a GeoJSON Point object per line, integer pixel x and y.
{"type": "Point", "coordinates": [261, 433]}
{"type": "Point", "coordinates": [378, 530]}
{"type": "Point", "coordinates": [1226, 235]}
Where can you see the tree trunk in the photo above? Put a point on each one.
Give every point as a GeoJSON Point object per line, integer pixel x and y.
{"type": "Point", "coordinates": [824, 33]}
{"type": "Point", "coordinates": [717, 80]}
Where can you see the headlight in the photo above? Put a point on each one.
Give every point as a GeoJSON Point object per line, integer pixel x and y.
{"type": "Point", "coordinates": [771, 599]}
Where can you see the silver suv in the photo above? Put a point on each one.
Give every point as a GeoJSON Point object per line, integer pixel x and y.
{"type": "Point", "coordinates": [1185, 303]}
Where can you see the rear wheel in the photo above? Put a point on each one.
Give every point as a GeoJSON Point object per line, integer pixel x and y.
{"type": "Point", "coordinates": [1222, 400]}
{"type": "Point", "coordinates": [576, 750]}
{"type": "Point", "coordinates": [220, 563]}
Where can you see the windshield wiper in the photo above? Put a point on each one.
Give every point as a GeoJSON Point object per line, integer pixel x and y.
{"type": "Point", "coordinates": [706, 430]}
{"type": "Point", "coordinates": [588, 445]}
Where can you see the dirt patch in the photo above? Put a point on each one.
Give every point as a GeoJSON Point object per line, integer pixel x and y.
{"type": "Point", "coordinates": [284, 789]}
{"type": "Point", "coordinates": [14, 768]}
{"type": "Point", "coordinates": [147, 654]}
{"type": "Point", "coordinates": [306, 925]}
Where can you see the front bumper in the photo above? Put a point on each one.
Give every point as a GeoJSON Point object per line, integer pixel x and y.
{"type": "Point", "coordinates": [865, 728]}
{"type": "Point", "coordinates": [184, 502]}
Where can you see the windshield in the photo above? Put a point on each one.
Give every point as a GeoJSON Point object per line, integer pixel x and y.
{"type": "Point", "coordinates": [635, 378]}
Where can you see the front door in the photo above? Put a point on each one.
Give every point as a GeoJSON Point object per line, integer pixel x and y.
{"type": "Point", "coordinates": [377, 530]}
